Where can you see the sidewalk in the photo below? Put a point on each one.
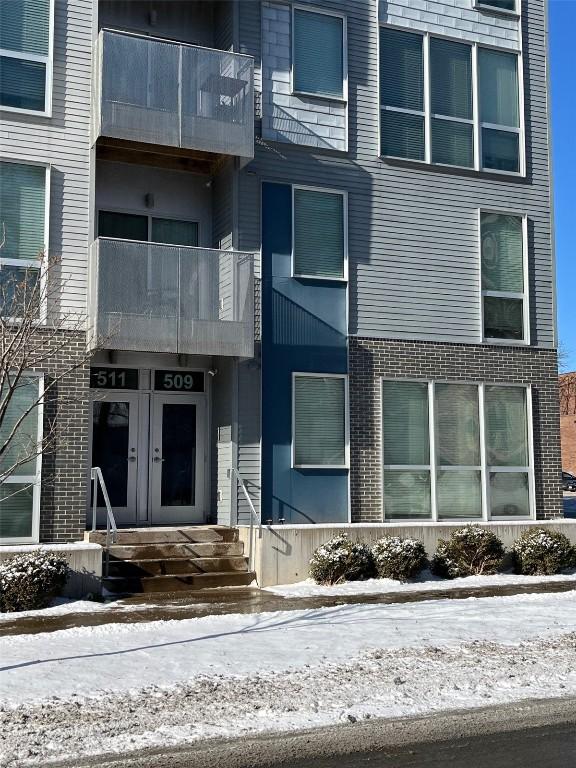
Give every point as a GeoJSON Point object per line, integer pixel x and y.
{"type": "Point", "coordinates": [251, 600]}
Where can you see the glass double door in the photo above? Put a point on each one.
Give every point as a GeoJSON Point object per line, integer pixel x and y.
{"type": "Point", "coordinates": [151, 450]}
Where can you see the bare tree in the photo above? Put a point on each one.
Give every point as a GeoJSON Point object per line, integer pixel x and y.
{"type": "Point", "coordinates": [563, 356]}
{"type": "Point", "coordinates": [567, 387]}
{"type": "Point", "coordinates": [34, 334]}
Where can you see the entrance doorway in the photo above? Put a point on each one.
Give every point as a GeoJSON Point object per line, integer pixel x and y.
{"type": "Point", "coordinates": [151, 448]}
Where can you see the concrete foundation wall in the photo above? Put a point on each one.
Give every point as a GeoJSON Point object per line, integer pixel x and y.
{"type": "Point", "coordinates": [283, 552]}
{"type": "Point", "coordinates": [85, 561]}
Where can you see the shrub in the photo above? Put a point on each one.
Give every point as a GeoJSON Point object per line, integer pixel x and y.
{"type": "Point", "coordinates": [30, 580]}
{"type": "Point", "coordinates": [469, 551]}
{"type": "Point", "coordinates": [539, 552]}
{"type": "Point", "coordinates": [397, 558]}
{"type": "Point", "coordinates": [341, 560]}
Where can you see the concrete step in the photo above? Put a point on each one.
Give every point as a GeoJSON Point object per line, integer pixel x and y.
{"type": "Point", "coordinates": [173, 566]}
{"type": "Point", "coordinates": [177, 583]}
{"type": "Point", "coordinates": [197, 534]}
{"type": "Point", "coordinates": [181, 550]}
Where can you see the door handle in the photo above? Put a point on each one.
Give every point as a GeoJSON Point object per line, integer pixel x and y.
{"type": "Point", "coordinates": [131, 458]}
{"type": "Point", "coordinates": [157, 459]}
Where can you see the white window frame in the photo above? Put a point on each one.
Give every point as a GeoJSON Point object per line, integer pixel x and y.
{"type": "Point", "coordinates": [321, 11]}
{"type": "Point", "coordinates": [477, 129]}
{"type": "Point", "coordinates": [486, 7]}
{"type": "Point", "coordinates": [320, 278]}
{"type": "Point", "coordinates": [35, 480]}
{"type": "Point", "coordinates": [433, 467]}
{"type": "Point", "coordinates": [42, 266]}
{"type": "Point", "coordinates": [47, 60]}
{"type": "Point", "coordinates": [524, 296]}
{"type": "Point", "coordinates": [305, 374]}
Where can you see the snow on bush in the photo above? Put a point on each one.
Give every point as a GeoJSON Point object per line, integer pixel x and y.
{"type": "Point", "coordinates": [470, 551]}
{"type": "Point", "coordinates": [30, 580]}
{"type": "Point", "coordinates": [397, 558]}
{"type": "Point", "coordinates": [341, 560]}
{"type": "Point", "coordinates": [540, 552]}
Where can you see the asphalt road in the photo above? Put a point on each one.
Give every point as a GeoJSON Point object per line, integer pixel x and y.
{"type": "Point", "coordinates": [529, 734]}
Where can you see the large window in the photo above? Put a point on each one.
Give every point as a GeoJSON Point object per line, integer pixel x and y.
{"type": "Point", "coordinates": [439, 124]}
{"type": "Point", "coordinates": [504, 295]}
{"type": "Point", "coordinates": [320, 431]}
{"type": "Point", "coordinates": [319, 234]}
{"type": "Point", "coordinates": [26, 55]}
{"type": "Point", "coordinates": [318, 54]}
{"type": "Point", "coordinates": [151, 229]}
{"type": "Point", "coordinates": [20, 463]}
{"type": "Point", "coordinates": [455, 451]}
{"type": "Point", "coordinates": [23, 230]}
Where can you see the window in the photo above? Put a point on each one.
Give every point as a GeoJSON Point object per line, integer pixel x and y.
{"type": "Point", "coordinates": [23, 228]}
{"type": "Point", "coordinates": [504, 295]}
{"type": "Point", "coordinates": [508, 6]}
{"type": "Point", "coordinates": [407, 482]}
{"type": "Point", "coordinates": [26, 55]}
{"type": "Point", "coordinates": [319, 234]}
{"type": "Point", "coordinates": [507, 452]}
{"type": "Point", "coordinates": [20, 466]}
{"type": "Point", "coordinates": [320, 430]}
{"type": "Point", "coordinates": [402, 94]}
{"type": "Point", "coordinates": [499, 110]}
{"type": "Point", "coordinates": [455, 451]}
{"type": "Point", "coordinates": [130, 226]}
{"type": "Point", "coordinates": [318, 54]}
{"type": "Point", "coordinates": [451, 97]}
{"type": "Point", "coordinates": [440, 124]}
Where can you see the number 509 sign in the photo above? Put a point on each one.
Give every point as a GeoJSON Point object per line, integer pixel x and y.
{"type": "Point", "coordinates": [179, 381]}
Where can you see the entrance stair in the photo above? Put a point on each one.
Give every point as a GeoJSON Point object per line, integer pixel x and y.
{"type": "Point", "coordinates": [155, 560]}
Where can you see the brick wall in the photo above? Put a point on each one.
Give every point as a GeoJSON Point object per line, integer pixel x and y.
{"type": "Point", "coordinates": [372, 359]}
{"type": "Point", "coordinates": [63, 495]}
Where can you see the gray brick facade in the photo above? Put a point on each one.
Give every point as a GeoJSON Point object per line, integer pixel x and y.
{"type": "Point", "coordinates": [370, 360]}
{"type": "Point", "coordinates": [64, 466]}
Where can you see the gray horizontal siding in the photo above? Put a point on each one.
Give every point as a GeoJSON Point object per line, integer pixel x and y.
{"type": "Point", "coordinates": [63, 141]}
{"type": "Point", "coordinates": [413, 239]}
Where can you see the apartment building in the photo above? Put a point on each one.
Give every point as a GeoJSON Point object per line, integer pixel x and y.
{"type": "Point", "coordinates": [313, 244]}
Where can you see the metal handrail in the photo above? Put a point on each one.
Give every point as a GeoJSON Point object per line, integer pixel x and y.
{"type": "Point", "coordinates": [254, 516]}
{"type": "Point", "coordinates": [111, 528]}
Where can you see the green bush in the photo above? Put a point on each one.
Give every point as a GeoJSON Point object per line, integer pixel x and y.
{"type": "Point", "coordinates": [341, 560]}
{"type": "Point", "coordinates": [30, 580]}
{"type": "Point", "coordinates": [397, 558]}
{"type": "Point", "coordinates": [540, 552]}
{"type": "Point", "coordinates": [470, 551]}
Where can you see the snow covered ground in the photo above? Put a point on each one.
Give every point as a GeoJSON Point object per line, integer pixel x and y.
{"type": "Point", "coordinates": [427, 582]}
{"type": "Point", "coordinates": [117, 687]}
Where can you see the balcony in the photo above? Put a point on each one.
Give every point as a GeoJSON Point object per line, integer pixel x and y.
{"type": "Point", "coordinates": [147, 297]}
{"type": "Point", "coordinates": [169, 94]}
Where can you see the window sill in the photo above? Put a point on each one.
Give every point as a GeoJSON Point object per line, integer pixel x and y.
{"type": "Point", "coordinates": [339, 467]}
{"type": "Point", "coordinates": [323, 96]}
{"type": "Point", "coordinates": [496, 11]}
{"type": "Point", "coordinates": [451, 169]}
{"type": "Point", "coordinates": [321, 279]}
{"type": "Point", "coordinates": [505, 342]}
{"type": "Point", "coordinates": [31, 112]}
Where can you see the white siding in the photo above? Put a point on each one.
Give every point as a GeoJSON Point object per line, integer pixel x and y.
{"type": "Point", "coordinates": [305, 120]}
{"type": "Point", "coordinates": [63, 141]}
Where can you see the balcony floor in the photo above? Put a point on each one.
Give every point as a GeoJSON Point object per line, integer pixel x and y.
{"type": "Point", "coordinates": [158, 156]}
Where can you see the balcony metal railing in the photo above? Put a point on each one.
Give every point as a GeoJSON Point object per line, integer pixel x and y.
{"type": "Point", "coordinates": [173, 94]}
{"type": "Point", "coordinates": [148, 297]}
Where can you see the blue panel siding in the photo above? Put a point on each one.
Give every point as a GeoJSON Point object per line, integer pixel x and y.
{"type": "Point", "coordinates": [304, 329]}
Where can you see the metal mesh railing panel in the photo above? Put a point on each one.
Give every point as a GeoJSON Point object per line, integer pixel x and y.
{"type": "Point", "coordinates": [176, 95]}
{"type": "Point", "coordinates": [160, 298]}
